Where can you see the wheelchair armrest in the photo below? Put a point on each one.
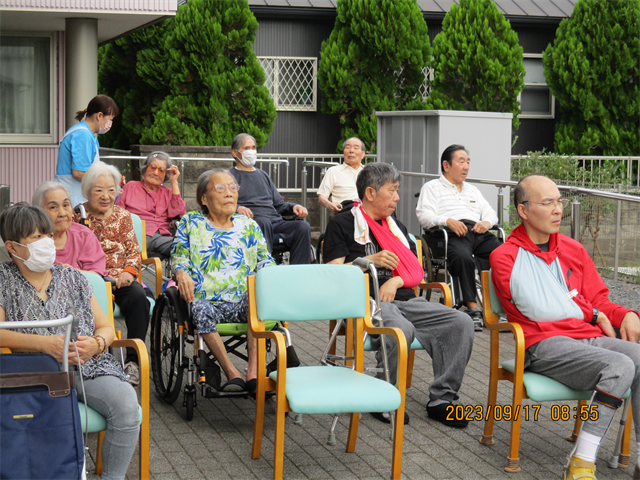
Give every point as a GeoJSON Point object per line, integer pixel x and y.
{"type": "Point", "coordinates": [174, 222]}
{"type": "Point", "coordinates": [501, 235]}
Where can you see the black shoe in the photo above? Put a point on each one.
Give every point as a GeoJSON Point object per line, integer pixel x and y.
{"type": "Point", "coordinates": [476, 317]}
{"type": "Point", "coordinates": [384, 417]}
{"type": "Point", "coordinates": [447, 416]}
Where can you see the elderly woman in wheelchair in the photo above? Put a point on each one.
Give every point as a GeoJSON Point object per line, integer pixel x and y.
{"type": "Point", "coordinates": [213, 252]}
{"type": "Point", "coordinates": [33, 288]}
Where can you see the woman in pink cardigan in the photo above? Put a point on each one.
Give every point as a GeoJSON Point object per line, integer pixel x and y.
{"type": "Point", "coordinates": [76, 245]}
{"type": "Point", "coordinates": [154, 203]}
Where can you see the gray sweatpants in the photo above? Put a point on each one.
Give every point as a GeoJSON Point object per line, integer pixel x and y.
{"type": "Point", "coordinates": [159, 245]}
{"type": "Point", "coordinates": [610, 364]}
{"type": "Point", "coordinates": [446, 334]}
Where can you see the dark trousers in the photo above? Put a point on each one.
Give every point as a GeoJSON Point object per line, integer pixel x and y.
{"type": "Point", "coordinates": [134, 305]}
{"type": "Point", "coordinates": [461, 252]}
{"type": "Point", "coordinates": [296, 236]}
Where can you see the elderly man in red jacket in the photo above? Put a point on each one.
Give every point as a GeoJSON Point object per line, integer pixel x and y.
{"type": "Point", "coordinates": [549, 285]}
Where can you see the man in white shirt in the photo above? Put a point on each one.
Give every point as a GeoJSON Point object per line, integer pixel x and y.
{"type": "Point", "coordinates": [467, 216]}
{"type": "Point", "coordinates": [340, 181]}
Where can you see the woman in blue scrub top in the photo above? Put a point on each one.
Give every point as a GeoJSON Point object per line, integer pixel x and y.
{"type": "Point", "coordinates": [80, 148]}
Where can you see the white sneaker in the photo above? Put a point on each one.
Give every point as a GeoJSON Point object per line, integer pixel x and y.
{"type": "Point", "coordinates": [132, 371]}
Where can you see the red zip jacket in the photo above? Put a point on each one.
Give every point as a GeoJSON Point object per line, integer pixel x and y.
{"type": "Point", "coordinates": [523, 282]}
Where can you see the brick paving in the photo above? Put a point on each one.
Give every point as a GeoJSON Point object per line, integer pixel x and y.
{"type": "Point", "coordinates": [216, 444]}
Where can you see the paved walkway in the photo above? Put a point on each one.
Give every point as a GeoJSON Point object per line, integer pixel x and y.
{"type": "Point", "coordinates": [217, 443]}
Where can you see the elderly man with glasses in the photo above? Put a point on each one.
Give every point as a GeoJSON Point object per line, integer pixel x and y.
{"type": "Point", "coordinates": [548, 284]}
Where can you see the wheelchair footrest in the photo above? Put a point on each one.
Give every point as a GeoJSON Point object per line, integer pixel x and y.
{"type": "Point", "coordinates": [209, 392]}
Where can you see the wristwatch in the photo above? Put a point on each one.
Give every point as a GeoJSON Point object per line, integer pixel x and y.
{"type": "Point", "coordinates": [596, 312]}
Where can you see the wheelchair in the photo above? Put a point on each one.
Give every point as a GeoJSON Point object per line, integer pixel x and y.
{"type": "Point", "coordinates": [281, 252]}
{"type": "Point", "coordinates": [178, 351]}
{"type": "Point", "coordinates": [435, 263]}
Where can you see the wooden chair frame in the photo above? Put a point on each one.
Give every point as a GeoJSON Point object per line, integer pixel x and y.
{"type": "Point", "coordinates": [265, 384]}
{"type": "Point", "coordinates": [497, 373]}
{"type": "Point", "coordinates": [143, 364]}
{"type": "Point", "coordinates": [146, 260]}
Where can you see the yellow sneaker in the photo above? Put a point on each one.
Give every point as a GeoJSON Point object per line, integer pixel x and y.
{"type": "Point", "coordinates": [579, 469]}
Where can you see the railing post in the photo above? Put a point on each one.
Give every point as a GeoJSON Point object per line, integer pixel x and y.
{"type": "Point", "coordinates": [575, 216]}
{"type": "Point", "coordinates": [182, 178]}
{"type": "Point", "coordinates": [303, 185]}
{"type": "Point", "coordinates": [323, 211]}
{"type": "Point", "coordinates": [275, 168]}
{"type": "Point", "coordinates": [500, 206]}
{"type": "Point", "coordinates": [618, 221]}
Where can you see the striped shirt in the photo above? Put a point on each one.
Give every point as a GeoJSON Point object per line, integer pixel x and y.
{"type": "Point", "coordinates": [440, 200]}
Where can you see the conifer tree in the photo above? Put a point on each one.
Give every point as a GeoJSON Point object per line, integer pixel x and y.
{"type": "Point", "coordinates": [477, 61]}
{"type": "Point", "coordinates": [372, 62]}
{"type": "Point", "coordinates": [133, 71]}
{"type": "Point", "coordinates": [592, 69]}
{"type": "Point", "coordinates": [216, 82]}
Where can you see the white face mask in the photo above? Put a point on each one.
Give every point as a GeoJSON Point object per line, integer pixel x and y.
{"type": "Point", "coordinates": [42, 254]}
{"type": "Point", "coordinates": [107, 126]}
{"type": "Point", "coordinates": [249, 158]}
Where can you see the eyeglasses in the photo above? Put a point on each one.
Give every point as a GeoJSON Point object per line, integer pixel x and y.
{"type": "Point", "coordinates": [222, 187]}
{"type": "Point", "coordinates": [563, 202]}
{"type": "Point", "coordinates": [156, 168]}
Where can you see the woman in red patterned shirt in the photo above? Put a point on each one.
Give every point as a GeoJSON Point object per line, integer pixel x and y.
{"type": "Point", "coordinates": [114, 228]}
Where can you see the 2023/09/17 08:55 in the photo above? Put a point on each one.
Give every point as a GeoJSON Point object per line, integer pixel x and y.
{"type": "Point", "coordinates": [528, 412]}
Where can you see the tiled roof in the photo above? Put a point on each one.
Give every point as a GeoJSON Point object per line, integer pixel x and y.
{"type": "Point", "coordinates": [510, 8]}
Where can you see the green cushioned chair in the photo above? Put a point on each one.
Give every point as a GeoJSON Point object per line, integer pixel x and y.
{"type": "Point", "coordinates": [320, 292]}
{"type": "Point", "coordinates": [97, 423]}
{"type": "Point", "coordinates": [525, 384]}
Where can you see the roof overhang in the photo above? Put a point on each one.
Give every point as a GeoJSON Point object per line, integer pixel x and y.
{"type": "Point", "coordinates": [111, 24]}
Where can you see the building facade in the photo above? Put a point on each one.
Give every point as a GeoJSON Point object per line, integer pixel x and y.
{"type": "Point", "coordinates": [49, 70]}
{"type": "Point", "coordinates": [288, 43]}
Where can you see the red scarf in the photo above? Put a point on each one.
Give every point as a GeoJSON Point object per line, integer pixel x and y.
{"type": "Point", "coordinates": [409, 268]}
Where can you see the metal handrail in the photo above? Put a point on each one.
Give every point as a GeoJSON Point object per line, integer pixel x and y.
{"type": "Point", "coordinates": [575, 205]}
{"type": "Point", "coordinates": [276, 161]}
{"type": "Point", "coordinates": [315, 163]}
{"type": "Point", "coordinates": [563, 188]}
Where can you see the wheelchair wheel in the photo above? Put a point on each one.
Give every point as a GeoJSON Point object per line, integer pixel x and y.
{"type": "Point", "coordinates": [165, 347]}
{"type": "Point", "coordinates": [271, 363]}
{"type": "Point", "coordinates": [478, 289]}
{"type": "Point", "coordinates": [189, 400]}
{"type": "Point", "coordinates": [429, 271]}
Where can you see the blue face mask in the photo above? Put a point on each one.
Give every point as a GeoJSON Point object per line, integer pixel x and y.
{"type": "Point", "coordinates": [42, 254]}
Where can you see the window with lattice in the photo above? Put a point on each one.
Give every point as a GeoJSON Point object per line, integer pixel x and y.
{"type": "Point", "coordinates": [292, 82]}
{"type": "Point", "coordinates": [425, 88]}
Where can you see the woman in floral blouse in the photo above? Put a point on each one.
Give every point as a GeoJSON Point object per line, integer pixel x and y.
{"type": "Point", "coordinates": [213, 252]}
{"type": "Point", "coordinates": [114, 228]}
{"type": "Point", "coordinates": [33, 288]}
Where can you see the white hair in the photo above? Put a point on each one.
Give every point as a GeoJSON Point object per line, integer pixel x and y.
{"type": "Point", "coordinates": [97, 170]}
{"type": "Point", "coordinates": [45, 187]}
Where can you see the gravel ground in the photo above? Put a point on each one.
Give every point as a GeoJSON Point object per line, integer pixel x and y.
{"type": "Point", "coordinates": [624, 293]}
